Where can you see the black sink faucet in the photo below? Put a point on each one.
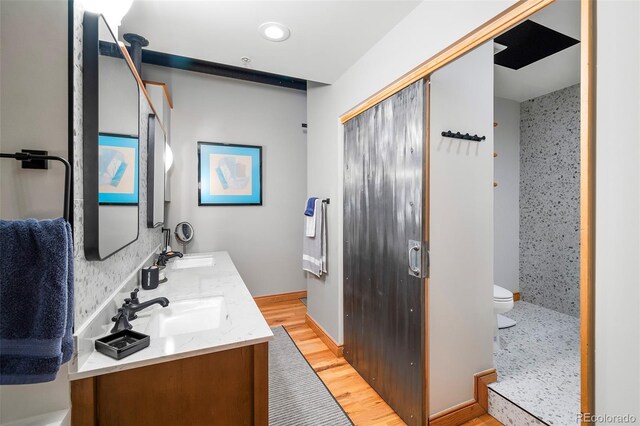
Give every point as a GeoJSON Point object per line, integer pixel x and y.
{"type": "Point", "coordinates": [134, 296]}
{"type": "Point", "coordinates": [121, 322]}
{"type": "Point", "coordinates": [165, 256]}
{"type": "Point", "coordinates": [129, 309]}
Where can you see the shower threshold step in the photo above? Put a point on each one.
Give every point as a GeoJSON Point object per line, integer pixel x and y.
{"type": "Point", "coordinates": [509, 413]}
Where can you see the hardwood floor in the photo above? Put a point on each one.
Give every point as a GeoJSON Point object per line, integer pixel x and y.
{"type": "Point", "coordinates": [485, 420]}
{"type": "Point", "coordinates": [363, 405]}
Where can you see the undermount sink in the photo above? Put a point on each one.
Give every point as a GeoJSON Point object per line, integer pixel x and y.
{"type": "Point", "coordinates": [193, 262]}
{"type": "Point", "coordinates": [188, 316]}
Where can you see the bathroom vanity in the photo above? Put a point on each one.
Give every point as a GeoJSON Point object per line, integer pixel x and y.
{"type": "Point", "coordinates": [207, 362]}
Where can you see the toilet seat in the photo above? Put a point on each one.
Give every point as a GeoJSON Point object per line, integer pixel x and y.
{"type": "Point", "coordinates": [501, 294]}
{"type": "Point", "coordinates": [502, 303]}
{"type": "Point", "coordinates": [502, 306]}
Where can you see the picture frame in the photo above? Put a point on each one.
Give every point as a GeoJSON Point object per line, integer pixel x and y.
{"type": "Point", "coordinates": [229, 174]}
{"type": "Point", "coordinates": [118, 169]}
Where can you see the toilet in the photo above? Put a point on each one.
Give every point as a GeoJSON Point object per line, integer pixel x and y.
{"type": "Point", "coordinates": [502, 302]}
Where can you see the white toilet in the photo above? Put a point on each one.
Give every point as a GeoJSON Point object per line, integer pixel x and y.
{"type": "Point", "coordinates": [502, 302]}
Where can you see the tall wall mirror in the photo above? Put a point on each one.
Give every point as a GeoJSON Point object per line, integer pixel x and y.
{"type": "Point", "coordinates": [155, 172]}
{"type": "Point", "coordinates": [111, 148]}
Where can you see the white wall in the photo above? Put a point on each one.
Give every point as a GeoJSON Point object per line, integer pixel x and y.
{"type": "Point", "coordinates": [265, 242]}
{"type": "Point", "coordinates": [33, 99]}
{"type": "Point", "coordinates": [425, 31]}
{"type": "Point", "coordinates": [33, 107]}
{"type": "Point", "coordinates": [617, 293]}
{"type": "Point", "coordinates": [461, 279]}
{"type": "Point", "coordinates": [506, 194]}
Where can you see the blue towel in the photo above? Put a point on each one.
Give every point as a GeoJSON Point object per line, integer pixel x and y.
{"type": "Point", "coordinates": [36, 299]}
{"type": "Point", "coordinates": [311, 205]}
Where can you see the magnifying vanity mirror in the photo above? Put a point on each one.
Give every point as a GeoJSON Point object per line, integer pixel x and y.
{"type": "Point", "coordinates": [184, 234]}
{"type": "Point", "coordinates": [111, 143]}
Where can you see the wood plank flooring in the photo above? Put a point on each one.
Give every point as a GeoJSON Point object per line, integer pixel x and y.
{"type": "Point", "coordinates": [363, 405]}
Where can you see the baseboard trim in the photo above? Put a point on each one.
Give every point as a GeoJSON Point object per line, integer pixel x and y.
{"type": "Point", "coordinates": [335, 348]}
{"type": "Point", "coordinates": [481, 391]}
{"type": "Point", "coordinates": [471, 409]}
{"type": "Point", "coordinates": [516, 296]}
{"type": "Point", "coordinates": [282, 297]}
{"type": "Point", "coordinates": [457, 415]}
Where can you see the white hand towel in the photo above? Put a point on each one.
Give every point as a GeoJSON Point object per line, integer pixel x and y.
{"type": "Point", "coordinates": [323, 240]}
{"type": "Point", "coordinates": [310, 225]}
{"type": "Point", "coordinates": [314, 248]}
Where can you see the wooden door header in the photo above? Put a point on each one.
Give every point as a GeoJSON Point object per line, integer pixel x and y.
{"type": "Point", "coordinates": [487, 31]}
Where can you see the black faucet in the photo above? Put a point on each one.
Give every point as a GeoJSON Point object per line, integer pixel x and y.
{"type": "Point", "coordinates": [134, 296]}
{"type": "Point", "coordinates": [129, 309]}
{"type": "Point", "coordinates": [121, 322]}
{"type": "Point", "coordinates": [165, 256]}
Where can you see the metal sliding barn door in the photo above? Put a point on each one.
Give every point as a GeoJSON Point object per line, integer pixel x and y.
{"type": "Point", "coordinates": [383, 254]}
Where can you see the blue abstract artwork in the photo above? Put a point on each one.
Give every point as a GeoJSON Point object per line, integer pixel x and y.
{"type": "Point", "coordinates": [117, 169]}
{"type": "Point", "coordinates": [229, 174]}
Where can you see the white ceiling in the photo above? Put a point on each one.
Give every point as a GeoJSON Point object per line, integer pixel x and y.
{"type": "Point", "coordinates": [553, 72]}
{"type": "Point", "coordinates": [326, 36]}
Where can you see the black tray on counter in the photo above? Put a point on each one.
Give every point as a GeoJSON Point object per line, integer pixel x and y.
{"type": "Point", "coordinates": [122, 344]}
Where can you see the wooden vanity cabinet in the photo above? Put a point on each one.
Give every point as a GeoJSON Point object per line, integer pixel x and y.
{"type": "Point", "coordinates": [220, 388]}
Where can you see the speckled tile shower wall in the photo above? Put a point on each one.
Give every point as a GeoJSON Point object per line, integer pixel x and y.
{"type": "Point", "coordinates": [96, 280]}
{"type": "Point", "coordinates": [550, 200]}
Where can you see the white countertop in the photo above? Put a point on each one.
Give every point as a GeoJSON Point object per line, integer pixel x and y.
{"type": "Point", "coordinates": [244, 324]}
{"type": "Point", "coordinates": [54, 418]}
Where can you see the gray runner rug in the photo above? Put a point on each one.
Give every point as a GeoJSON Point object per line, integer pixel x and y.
{"type": "Point", "coordinates": [297, 396]}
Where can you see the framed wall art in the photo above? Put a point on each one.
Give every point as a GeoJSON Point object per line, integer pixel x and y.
{"type": "Point", "coordinates": [229, 174]}
{"type": "Point", "coordinates": [117, 169]}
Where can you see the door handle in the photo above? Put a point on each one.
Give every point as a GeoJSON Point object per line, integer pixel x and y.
{"type": "Point", "coordinates": [415, 258]}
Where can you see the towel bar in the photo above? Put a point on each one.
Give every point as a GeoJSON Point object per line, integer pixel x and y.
{"type": "Point", "coordinates": [26, 156]}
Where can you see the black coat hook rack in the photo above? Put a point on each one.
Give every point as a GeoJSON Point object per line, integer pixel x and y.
{"type": "Point", "coordinates": [466, 136]}
{"type": "Point", "coordinates": [327, 201]}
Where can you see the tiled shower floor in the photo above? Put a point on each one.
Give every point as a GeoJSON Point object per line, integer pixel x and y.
{"type": "Point", "coordinates": [539, 363]}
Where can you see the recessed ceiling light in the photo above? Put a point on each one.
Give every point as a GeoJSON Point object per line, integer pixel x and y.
{"type": "Point", "coordinates": [274, 31]}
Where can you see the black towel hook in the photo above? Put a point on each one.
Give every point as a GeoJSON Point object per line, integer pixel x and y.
{"type": "Point", "coordinates": [466, 136]}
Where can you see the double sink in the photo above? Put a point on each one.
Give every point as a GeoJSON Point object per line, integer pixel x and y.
{"type": "Point", "coordinates": [210, 310]}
